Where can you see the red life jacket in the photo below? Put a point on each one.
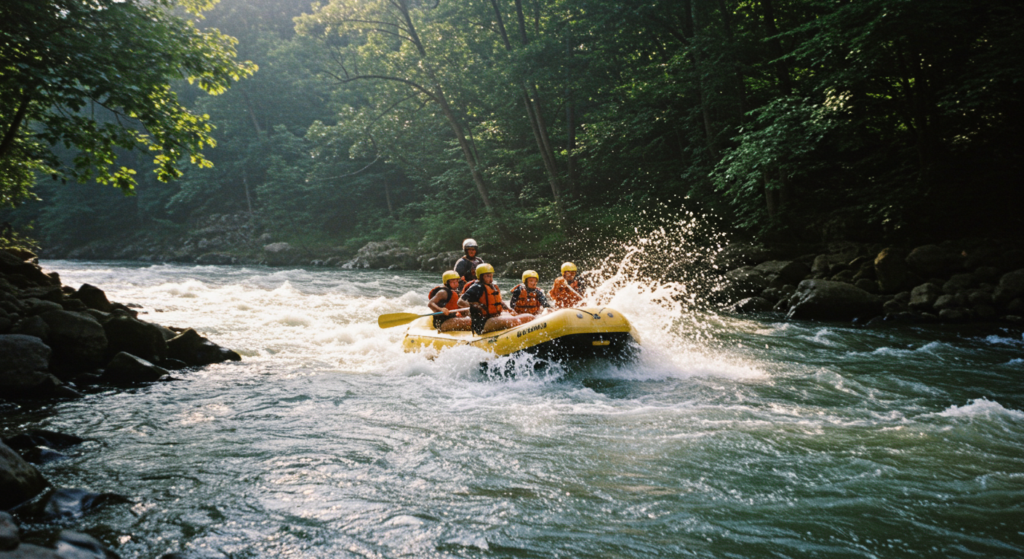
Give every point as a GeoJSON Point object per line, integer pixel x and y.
{"type": "Point", "coordinates": [491, 299]}
{"type": "Point", "coordinates": [527, 300]}
{"type": "Point", "coordinates": [453, 299]}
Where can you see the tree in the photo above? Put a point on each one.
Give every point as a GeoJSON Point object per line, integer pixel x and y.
{"type": "Point", "coordinates": [95, 76]}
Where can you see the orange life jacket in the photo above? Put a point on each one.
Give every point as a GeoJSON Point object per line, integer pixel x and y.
{"type": "Point", "coordinates": [453, 298]}
{"type": "Point", "coordinates": [527, 300]}
{"type": "Point", "coordinates": [561, 294]}
{"type": "Point", "coordinates": [490, 301]}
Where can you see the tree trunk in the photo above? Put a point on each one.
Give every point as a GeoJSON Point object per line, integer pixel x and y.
{"type": "Point", "coordinates": [252, 113]}
{"type": "Point", "coordinates": [741, 86]}
{"type": "Point", "coordinates": [245, 183]}
{"type": "Point", "coordinates": [12, 131]}
{"type": "Point", "coordinates": [387, 196]}
{"type": "Point", "coordinates": [781, 68]}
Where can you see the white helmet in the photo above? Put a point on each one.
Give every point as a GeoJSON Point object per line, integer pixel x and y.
{"type": "Point", "coordinates": [469, 243]}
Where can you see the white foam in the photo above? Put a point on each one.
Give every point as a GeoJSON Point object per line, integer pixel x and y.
{"type": "Point", "coordinates": [982, 407]}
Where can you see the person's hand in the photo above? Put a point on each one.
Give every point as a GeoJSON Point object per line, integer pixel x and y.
{"type": "Point", "coordinates": [445, 310]}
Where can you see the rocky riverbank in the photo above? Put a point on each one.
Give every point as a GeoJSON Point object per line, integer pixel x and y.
{"type": "Point", "coordinates": [58, 342]}
{"type": "Point", "coordinates": [952, 282]}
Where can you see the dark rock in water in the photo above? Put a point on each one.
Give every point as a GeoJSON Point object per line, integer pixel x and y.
{"type": "Point", "coordinates": [24, 361]}
{"type": "Point", "coordinates": [74, 545]}
{"type": "Point", "coordinates": [871, 286]}
{"type": "Point", "coordinates": [19, 480]}
{"type": "Point", "coordinates": [196, 350]}
{"type": "Point", "coordinates": [136, 337]}
{"type": "Point", "coordinates": [820, 264]}
{"type": "Point", "coordinates": [41, 455]}
{"type": "Point", "coordinates": [9, 537]}
{"type": "Point", "coordinates": [35, 306]}
{"type": "Point", "coordinates": [216, 259]}
{"type": "Point", "coordinates": [73, 305]}
{"type": "Point", "coordinates": [1015, 306]}
{"type": "Point", "coordinates": [829, 300]}
{"type": "Point", "coordinates": [751, 305]}
{"type": "Point", "coordinates": [944, 302]}
{"type": "Point", "coordinates": [924, 296]}
{"type": "Point", "coordinates": [93, 297]}
{"type": "Point", "coordinates": [64, 503]}
{"type": "Point", "coordinates": [781, 306]}
{"type": "Point", "coordinates": [979, 297]}
{"type": "Point", "coordinates": [1011, 259]}
{"type": "Point", "coordinates": [743, 254]}
{"type": "Point", "coordinates": [952, 315]}
{"type": "Point", "coordinates": [984, 312]}
{"type": "Point", "coordinates": [126, 368]}
{"type": "Point", "coordinates": [958, 283]}
{"type": "Point", "coordinates": [928, 317]}
{"type": "Point", "coordinates": [875, 322]}
{"type": "Point", "coordinates": [845, 276]}
{"type": "Point", "coordinates": [744, 282]}
{"type": "Point", "coordinates": [1010, 287]}
{"type": "Point", "coordinates": [893, 306]}
{"type": "Point", "coordinates": [986, 274]}
{"type": "Point", "coordinates": [77, 339]}
{"type": "Point", "coordinates": [789, 272]}
{"type": "Point", "coordinates": [32, 326]}
{"type": "Point", "coordinates": [31, 551]}
{"type": "Point", "coordinates": [280, 254]}
{"type": "Point", "coordinates": [172, 364]}
{"type": "Point", "coordinates": [932, 260]}
{"type": "Point", "coordinates": [42, 437]}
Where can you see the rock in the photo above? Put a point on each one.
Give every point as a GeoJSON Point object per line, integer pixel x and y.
{"type": "Point", "coordinates": [1015, 306]}
{"type": "Point", "coordinates": [31, 551]}
{"type": "Point", "coordinates": [384, 255]}
{"type": "Point", "coordinates": [41, 455]}
{"type": "Point", "coordinates": [831, 300]}
{"type": "Point", "coordinates": [944, 302]}
{"type": "Point", "coordinates": [792, 272]}
{"type": "Point", "coordinates": [74, 545]}
{"type": "Point", "coordinates": [1010, 287]}
{"type": "Point", "coordinates": [280, 254]}
{"type": "Point", "coordinates": [57, 504]}
{"type": "Point", "coordinates": [744, 282]}
{"type": "Point", "coordinates": [985, 312]}
{"type": "Point", "coordinates": [73, 305]}
{"type": "Point", "coordinates": [196, 350]}
{"type": "Point", "coordinates": [751, 305]}
{"type": "Point", "coordinates": [957, 283]}
{"type": "Point", "coordinates": [1011, 259]}
{"type": "Point", "coordinates": [820, 265]}
{"type": "Point", "coordinates": [9, 538]}
{"type": "Point", "coordinates": [544, 267]}
{"type": "Point", "coordinates": [172, 364]}
{"type": "Point", "coordinates": [782, 306]}
{"type": "Point", "coordinates": [931, 260]}
{"type": "Point", "coordinates": [892, 306]}
{"type": "Point", "coordinates": [902, 297]}
{"type": "Point", "coordinates": [78, 341]}
{"type": "Point", "coordinates": [891, 270]}
{"type": "Point", "coordinates": [35, 306]}
{"type": "Point", "coordinates": [33, 326]}
{"type": "Point", "coordinates": [19, 480]}
{"type": "Point", "coordinates": [136, 337]}
{"type": "Point", "coordinates": [952, 315]}
{"type": "Point", "coordinates": [742, 254]}
{"type": "Point", "coordinates": [845, 276]}
{"type": "Point", "coordinates": [125, 368]}
{"type": "Point", "coordinates": [21, 354]}
{"type": "Point", "coordinates": [979, 297]}
{"type": "Point", "coordinates": [93, 297]}
{"type": "Point", "coordinates": [42, 437]}
{"type": "Point", "coordinates": [986, 274]}
{"type": "Point", "coordinates": [5, 325]}
{"type": "Point", "coordinates": [871, 286]}
{"type": "Point", "coordinates": [216, 259]}
{"type": "Point", "coordinates": [924, 296]}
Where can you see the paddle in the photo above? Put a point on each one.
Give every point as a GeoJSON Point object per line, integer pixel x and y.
{"type": "Point", "coordinates": [400, 318]}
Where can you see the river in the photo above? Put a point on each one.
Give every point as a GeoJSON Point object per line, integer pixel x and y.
{"type": "Point", "coordinates": [729, 437]}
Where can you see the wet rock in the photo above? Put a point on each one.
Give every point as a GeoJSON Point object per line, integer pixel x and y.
{"type": "Point", "coordinates": [142, 339]}
{"type": "Point", "coordinates": [829, 300]}
{"type": "Point", "coordinates": [957, 283]}
{"type": "Point", "coordinates": [74, 545]}
{"type": "Point", "coordinates": [35, 306]}
{"type": "Point", "coordinates": [125, 368]}
{"type": "Point", "coordinates": [216, 259]}
{"type": "Point", "coordinates": [820, 265]}
{"type": "Point", "coordinates": [751, 305]}
{"type": "Point", "coordinates": [791, 272]}
{"type": "Point", "coordinates": [9, 537]}
{"type": "Point", "coordinates": [32, 326]}
{"type": "Point", "coordinates": [892, 306]}
{"type": "Point", "coordinates": [280, 254]}
{"type": "Point", "coordinates": [19, 480]}
{"type": "Point", "coordinates": [24, 361]}
{"type": "Point", "coordinates": [1010, 287]}
{"type": "Point", "coordinates": [871, 286]}
{"type": "Point", "coordinates": [73, 305]}
{"type": "Point", "coordinates": [930, 260]}
{"type": "Point", "coordinates": [57, 504]}
{"type": "Point", "coordinates": [952, 315]}
{"type": "Point", "coordinates": [31, 551]}
{"type": "Point", "coordinates": [923, 297]}
{"type": "Point", "coordinates": [41, 455]}
{"type": "Point", "coordinates": [743, 254]}
{"type": "Point", "coordinates": [979, 297]}
{"type": "Point", "coordinates": [984, 312]}
{"type": "Point", "coordinates": [384, 255]}
{"type": "Point", "coordinates": [1016, 306]}
{"type": "Point", "coordinates": [93, 297]}
{"type": "Point", "coordinates": [77, 339]}
{"type": "Point", "coordinates": [195, 350]}
{"type": "Point", "coordinates": [944, 302]}
{"type": "Point", "coordinates": [172, 364]}
{"type": "Point", "coordinates": [744, 282]}
{"type": "Point", "coordinates": [986, 274]}
{"type": "Point", "coordinates": [845, 276]}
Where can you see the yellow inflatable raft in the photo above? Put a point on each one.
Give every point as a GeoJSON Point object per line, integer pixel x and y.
{"type": "Point", "coordinates": [565, 333]}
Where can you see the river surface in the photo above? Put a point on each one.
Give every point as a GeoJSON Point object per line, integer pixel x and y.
{"type": "Point", "coordinates": [727, 438]}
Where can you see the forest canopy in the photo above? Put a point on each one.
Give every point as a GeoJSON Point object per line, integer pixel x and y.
{"type": "Point", "coordinates": [531, 122]}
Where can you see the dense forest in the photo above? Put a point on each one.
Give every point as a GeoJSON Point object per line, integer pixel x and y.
{"type": "Point", "coordinates": [529, 123]}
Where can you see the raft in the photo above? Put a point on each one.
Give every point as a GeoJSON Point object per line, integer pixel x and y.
{"type": "Point", "coordinates": [563, 334]}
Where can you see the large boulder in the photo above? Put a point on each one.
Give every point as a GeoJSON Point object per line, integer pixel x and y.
{"type": "Point", "coordinates": [93, 297]}
{"type": "Point", "coordinates": [19, 480]}
{"type": "Point", "coordinates": [42, 437]}
{"type": "Point", "coordinates": [280, 254]}
{"type": "Point", "coordinates": [1010, 287]}
{"type": "Point", "coordinates": [125, 368]}
{"type": "Point", "coordinates": [24, 361]}
{"type": "Point", "coordinates": [9, 533]}
{"type": "Point", "coordinates": [77, 339]}
{"type": "Point", "coordinates": [791, 272]}
{"type": "Point", "coordinates": [744, 282]}
{"type": "Point", "coordinates": [59, 504]}
{"type": "Point", "coordinates": [384, 254]}
{"type": "Point", "coordinates": [830, 300]}
{"type": "Point", "coordinates": [136, 337]}
{"type": "Point", "coordinates": [751, 305]}
{"type": "Point", "coordinates": [891, 270]}
{"type": "Point", "coordinates": [923, 297]}
{"type": "Point", "coordinates": [196, 350]}
{"type": "Point", "coordinates": [743, 254]}
{"type": "Point", "coordinates": [933, 260]}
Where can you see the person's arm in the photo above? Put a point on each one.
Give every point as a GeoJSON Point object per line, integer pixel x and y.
{"type": "Point", "coordinates": [435, 303]}
{"type": "Point", "coordinates": [554, 288]}
{"type": "Point", "coordinates": [471, 297]}
{"type": "Point", "coordinates": [542, 299]}
{"type": "Point", "coordinates": [516, 291]}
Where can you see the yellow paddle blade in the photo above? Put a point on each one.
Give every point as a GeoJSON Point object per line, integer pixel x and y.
{"type": "Point", "coordinates": [396, 319]}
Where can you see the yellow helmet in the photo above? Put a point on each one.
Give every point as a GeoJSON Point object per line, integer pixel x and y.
{"type": "Point", "coordinates": [530, 274]}
{"type": "Point", "coordinates": [449, 276]}
{"type": "Point", "coordinates": [484, 269]}
{"type": "Point", "coordinates": [568, 267]}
